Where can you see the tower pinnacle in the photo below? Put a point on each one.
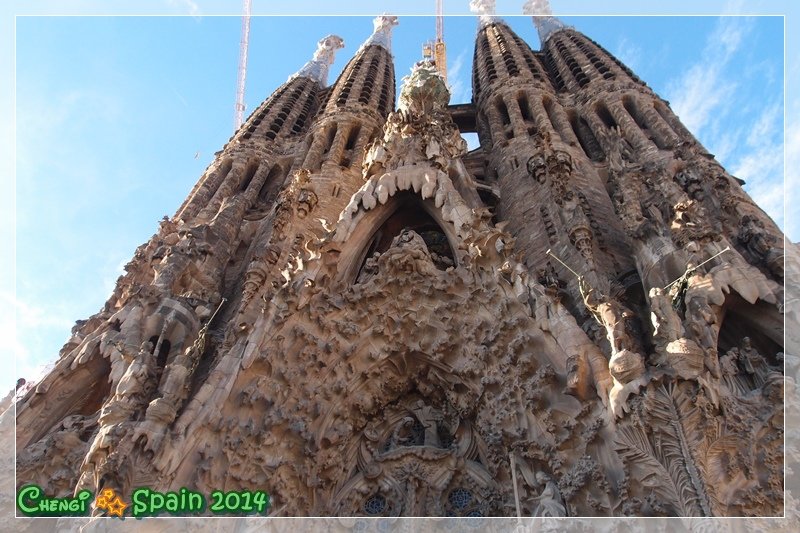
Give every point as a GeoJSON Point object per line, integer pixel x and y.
{"type": "Point", "coordinates": [543, 18]}
{"type": "Point", "coordinates": [317, 68]}
{"type": "Point", "coordinates": [485, 9]}
{"type": "Point", "coordinates": [382, 34]}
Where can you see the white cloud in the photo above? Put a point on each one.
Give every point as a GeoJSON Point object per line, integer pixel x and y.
{"type": "Point", "coordinates": [745, 133]}
{"type": "Point", "coordinates": [766, 126]}
{"type": "Point", "coordinates": [460, 84]}
{"type": "Point", "coordinates": [25, 328]}
{"type": "Point", "coordinates": [762, 169]}
{"type": "Point", "coordinates": [697, 96]}
{"type": "Point", "coordinates": [54, 193]}
{"type": "Point", "coordinates": [629, 53]}
{"type": "Point", "coordinates": [700, 93]}
{"type": "Point", "coordinates": [190, 5]}
{"type": "Point", "coordinates": [792, 183]}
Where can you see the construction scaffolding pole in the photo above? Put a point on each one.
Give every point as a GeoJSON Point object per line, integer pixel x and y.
{"type": "Point", "coordinates": [439, 48]}
{"type": "Point", "coordinates": [238, 115]}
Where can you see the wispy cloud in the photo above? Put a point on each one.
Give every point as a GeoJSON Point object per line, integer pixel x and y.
{"type": "Point", "coordinates": [715, 99]}
{"type": "Point", "coordinates": [460, 90]}
{"type": "Point", "coordinates": [792, 185]}
{"type": "Point", "coordinates": [190, 5]}
{"type": "Point", "coordinates": [63, 274]}
{"type": "Point", "coordinates": [704, 88]}
{"type": "Point", "coordinates": [179, 96]}
{"type": "Point", "coordinates": [762, 169]}
{"type": "Point", "coordinates": [629, 53]}
{"type": "Point", "coordinates": [28, 329]}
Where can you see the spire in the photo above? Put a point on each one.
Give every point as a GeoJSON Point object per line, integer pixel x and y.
{"type": "Point", "coordinates": [546, 24]}
{"type": "Point", "coordinates": [317, 68]}
{"type": "Point", "coordinates": [485, 9]}
{"type": "Point", "coordinates": [382, 34]}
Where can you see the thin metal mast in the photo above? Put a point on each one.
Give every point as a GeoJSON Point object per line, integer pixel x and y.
{"type": "Point", "coordinates": [238, 115]}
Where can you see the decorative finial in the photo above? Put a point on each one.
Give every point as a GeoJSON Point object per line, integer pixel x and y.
{"type": "Point", "coordinates": [317, 68]}
{"type": "Point", "coordinates": [382, 34]}
{"type": "Point", "coordinates": [424, 89]}
{"type": "Point", "coordinates": [543, 18]}
{"type": "Point", "coordinates": [485, 9]}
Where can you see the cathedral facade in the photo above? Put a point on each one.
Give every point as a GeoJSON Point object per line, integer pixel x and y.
{"type": "Point", "coordinates": [356, 314]}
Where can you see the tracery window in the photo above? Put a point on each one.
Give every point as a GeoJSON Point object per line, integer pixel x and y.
{"type": "Point", "coordinates": [461, 502]}
{"type": "Point", "coordinates": [375, 505]}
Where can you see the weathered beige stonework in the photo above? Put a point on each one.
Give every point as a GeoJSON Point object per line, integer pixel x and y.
{"type": "Point", "coordinates": [355, 314]}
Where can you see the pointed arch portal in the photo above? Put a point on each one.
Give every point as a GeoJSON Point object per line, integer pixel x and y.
{"type": "Point", "coordinates": [380, 226]}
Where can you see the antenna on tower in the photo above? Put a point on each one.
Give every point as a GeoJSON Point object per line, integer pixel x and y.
{"type": "Point", "coordinates": [238, 114]}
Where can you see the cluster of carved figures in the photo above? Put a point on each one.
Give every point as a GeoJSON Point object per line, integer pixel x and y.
{"type": "Point", "coordinates": [407, 359]}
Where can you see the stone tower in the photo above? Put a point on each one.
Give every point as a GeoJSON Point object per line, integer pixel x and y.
{"type": "Point", "coordinates": [355, 314]}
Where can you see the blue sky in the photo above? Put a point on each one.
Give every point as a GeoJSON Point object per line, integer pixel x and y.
{"type": "Point", "coordinates": [111, 112]}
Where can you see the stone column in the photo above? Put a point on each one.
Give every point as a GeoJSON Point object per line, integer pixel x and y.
{"type": "Point", "coordinates": [596, 125]}
{"type": "Point", "coordinates": [562, 125]}
{"type": "Point", "coordinates": [540, 116]}
{"type": "Point", "coordinates": [314, 156]}
{"type": "Point", "coordinates": [495, 124]}
{"type": "Point", "coordinates": [228, 186]}
{"type": "Point", "coordinates": [628, 126]}
{"type": "Point", "coordinates": [366, 135]}
{"type": "Point", "coordinates": [661, 130]}
{"type": "Point", "coordinates": [676, 125]}
{"type": "Point", "coordinates": [337, 146]}
{"type": "Point", "coordinates": [205, 191]}
{"type": "Point", "coordinates": [515, 116]}
{"type": "Point", "coordinates": [251, 194]}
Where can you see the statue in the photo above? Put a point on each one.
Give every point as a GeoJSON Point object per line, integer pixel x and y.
{"type": "Point", "coordinates": [537, 168]}
{"type": "Point", "coordinates": [679, 287]}
{"type": "Point", "coordinates": [619, 151]}
{"type": "Point", "coordinates": [608, 313]}
{"type": "Point", "coordinates": [429, 417]}
{"type": "Point", "coordinates": [701, 324]}
{"type": "Point", "coordinates": [729, 367]}
{"type": "Point", "coordinates": [761, 244]}
{"type": "Point", "coordinates": [370, 268]}
{"type": "Point", "coordinates": [549, 501]}
{"type": "Point", "coordinates": [133, 387]}
{"type": "Point", "coordinates": [408, 253]}
{"type": "Point", "coordinates": [667, 325]}
{"type": "Point", "coordinates": [403, 434]}
{"type": "Point", "coordinates": [626, 364]}
{"type": "Point", "coordinates": [753, 362]}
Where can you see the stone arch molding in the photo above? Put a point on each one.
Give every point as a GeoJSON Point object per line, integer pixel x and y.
{"type": "Point", "coordinates": [367, 222]}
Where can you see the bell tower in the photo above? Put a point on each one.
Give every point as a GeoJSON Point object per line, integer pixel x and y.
{"type": "Point", "coordinates": [358, 316]}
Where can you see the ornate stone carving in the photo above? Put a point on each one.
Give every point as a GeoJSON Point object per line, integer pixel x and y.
{"type": "Point", "coordinates": [626, 364]}
{"type": "Point", "coordinates": [761, 245]}
{"type": "Point", "coordinates": [391, 347]}
{"type": "Point", "coordinates": [317, 68]}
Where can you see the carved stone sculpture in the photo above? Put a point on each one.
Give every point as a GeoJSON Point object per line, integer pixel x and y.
{"type": "Point", "coordinates": [410, 327]}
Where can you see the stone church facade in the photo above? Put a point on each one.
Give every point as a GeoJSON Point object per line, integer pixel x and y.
{"type": "Point", "coordinates": [354, 313]}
